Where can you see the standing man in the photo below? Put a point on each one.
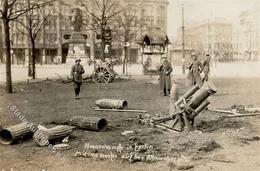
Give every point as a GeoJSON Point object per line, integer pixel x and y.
{"type": "Point", "coordinates": [76, 73]}
{"type": "Point", "coordinates": [206, 69]}
{"type": "Point", "coordinates": [165, 70]}
{"type": "Point", "coordinates": [195, 68]}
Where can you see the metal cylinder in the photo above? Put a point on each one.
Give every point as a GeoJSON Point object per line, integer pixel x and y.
{"type": "Point", "coordinates": [43, 137]}
{"type": "Point", "coordinates": [111, 104]}
{"type": "Point", "coordinates": [15, 133]}
{"type": "Point", "coordinates": [201, 95]}
{"type": "Point", "coordinates": [89, 123]}
{"type": "Point", "coordinates": [199, 109]}
{"type": "Point", "coordinates": [188, 94]}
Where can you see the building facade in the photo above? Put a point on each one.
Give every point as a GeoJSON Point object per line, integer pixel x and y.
{"type": "Point", "coordinates": [246, 35]}
{"type": "Point", "coordinates": [50, 44]}
{"type": "Point", "coordinates": [213, 37]}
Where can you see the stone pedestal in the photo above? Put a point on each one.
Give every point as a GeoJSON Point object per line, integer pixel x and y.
{"type": "Point", "coordinates": [77, 48]}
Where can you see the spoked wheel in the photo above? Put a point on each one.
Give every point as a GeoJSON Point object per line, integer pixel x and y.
{"type": "Point", "coordinates": [101, 75]}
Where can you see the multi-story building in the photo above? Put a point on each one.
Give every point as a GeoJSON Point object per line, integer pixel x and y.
{"type": "Point", "coordinates": [49, 40]}
{"type": "Point", "coordinates": [246, 35]}
{"type": "Point", "coordinates": [152, 19]}
{"type": "Point", "coordinates": [51, 47]}
{"type": "Point", "coordinates": [214, 37]}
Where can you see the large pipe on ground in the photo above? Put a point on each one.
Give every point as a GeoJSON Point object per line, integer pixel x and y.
{"type": "Point", "coordinates": [111, 104]}
{"type": "Point", "coordinates": [89, 123]}
{"type": "Point", "coordinates": [45, 137]}
{"type": "Point", "coordinates": [15, 133]}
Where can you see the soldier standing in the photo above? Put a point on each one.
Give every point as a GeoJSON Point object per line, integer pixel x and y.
{"type": "Point", "coordinates": [165, 70]}
{"type": "Point", "coordinates": [195, 68]}
{"type": "Point", "coordinates": [76, 73]}
{"type": "Point", "coordinates": [206, 69]}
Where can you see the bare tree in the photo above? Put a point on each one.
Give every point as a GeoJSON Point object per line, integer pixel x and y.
{"type": "Point", "coordinates": [35, 20]}
{"type": "Point", "coordinates": [8, 13]}
{"type": "Point", "coordinates": [129, 23]}
{"type": "Point", "coordinates": [102, 13]}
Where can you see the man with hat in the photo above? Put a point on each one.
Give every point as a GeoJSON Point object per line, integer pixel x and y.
{"type": "Point", "coordinates": [76, 73]}
{"type": "Point", "coordinates": [206, 69]}
{"type": "Point", "coordinates": [195, 68]}
{"type": "Point", "coordinates": [165, 70]}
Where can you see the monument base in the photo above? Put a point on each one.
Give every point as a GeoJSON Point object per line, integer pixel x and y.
{"type": "Point", "coordinates": [84, 61]}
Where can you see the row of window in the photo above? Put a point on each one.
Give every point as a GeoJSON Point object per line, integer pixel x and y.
{"type": "Point", "coordinates": [19, 38]}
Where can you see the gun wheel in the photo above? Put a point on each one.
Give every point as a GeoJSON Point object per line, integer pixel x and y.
{"type": "Point", "coordinates": [101, 75]}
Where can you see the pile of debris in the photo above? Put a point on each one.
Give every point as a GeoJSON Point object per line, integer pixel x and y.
{"type": "Point", "coordinates": [245, 108]}
{"type": "Point", "coordinates": [61, 133]}
{"type": "Point", "coordinates": [55, 135]}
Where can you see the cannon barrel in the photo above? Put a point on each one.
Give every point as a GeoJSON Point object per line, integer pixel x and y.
{"type": "Point", "coordinates": [202, 94]}
{"type": "Point", "coordinates": [187, 95]}
{"type": "Point", "coordinates": [199, 109]}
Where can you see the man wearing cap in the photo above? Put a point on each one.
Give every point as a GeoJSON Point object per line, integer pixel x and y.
{"type": "Point", "coordinates": [165, 70]}
{"type": "Point", "coordinates": [195, 68]}
{"type": "Point", "coordinates": [206, 69]}
{"type": "Point", "coordinates": [76, 73]}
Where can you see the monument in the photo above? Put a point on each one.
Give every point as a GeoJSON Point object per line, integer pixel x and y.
{"type": "Point", "coordinates": [77, 40]}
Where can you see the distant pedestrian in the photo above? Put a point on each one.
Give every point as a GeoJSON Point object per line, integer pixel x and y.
{"type": "Point", "coordinates": [206, 70]}
{"type": "Point", "coordinates": [76, 73]}
{"type": "Point", "coordinates": [165, 70]}
{"type": "Point", "coordinates": [195, 68]}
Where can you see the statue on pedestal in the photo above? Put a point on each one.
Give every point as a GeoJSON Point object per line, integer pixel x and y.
{"type": "Point", "coordinates": [77, 20]}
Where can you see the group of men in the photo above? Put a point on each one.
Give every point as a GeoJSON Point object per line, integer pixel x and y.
{"type": "Point", "coordinates": [195, 68]}
{"type": "Point", "coordinates": [165, 69]}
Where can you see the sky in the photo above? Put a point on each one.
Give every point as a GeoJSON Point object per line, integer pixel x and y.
{"type": "Point", "coordinates": [203, 10]}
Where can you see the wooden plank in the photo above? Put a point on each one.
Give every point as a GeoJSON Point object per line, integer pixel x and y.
{"type": "Point", "coordinates": [120, 110]}
{"type": "Point", "coordinates": [243, 115]}
{"type": "Point", "coordinates": [166, 126]}
{"type": "Point", "coordinates": [223, 111]}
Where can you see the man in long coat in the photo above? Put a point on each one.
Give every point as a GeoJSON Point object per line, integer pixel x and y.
{"type": "Point", "coordinates": [76, 73]}
{"type": "Point", "coordinates": [195, 68]}
{"type": "Point", "coordinates": [165, 70]}
{"type": "Point", "coordinates": [206, 69]}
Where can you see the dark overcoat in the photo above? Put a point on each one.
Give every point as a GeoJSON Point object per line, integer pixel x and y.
{"type": "Point", "coordinates": [165, 70]}
{"type": "Point", "coordinates": [195, 68]}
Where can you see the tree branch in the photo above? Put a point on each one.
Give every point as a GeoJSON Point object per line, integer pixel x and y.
{"type": "Point", "coordinates": [16, 14]}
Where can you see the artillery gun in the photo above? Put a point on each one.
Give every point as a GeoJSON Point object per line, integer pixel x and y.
{"type": "Point", "coordinates": [187, 108]}
{"type": "Point", "coordinates": [104, 71]}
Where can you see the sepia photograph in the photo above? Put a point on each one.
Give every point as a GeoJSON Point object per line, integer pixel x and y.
{"type": "Point", "coordinates": [129, 85]}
